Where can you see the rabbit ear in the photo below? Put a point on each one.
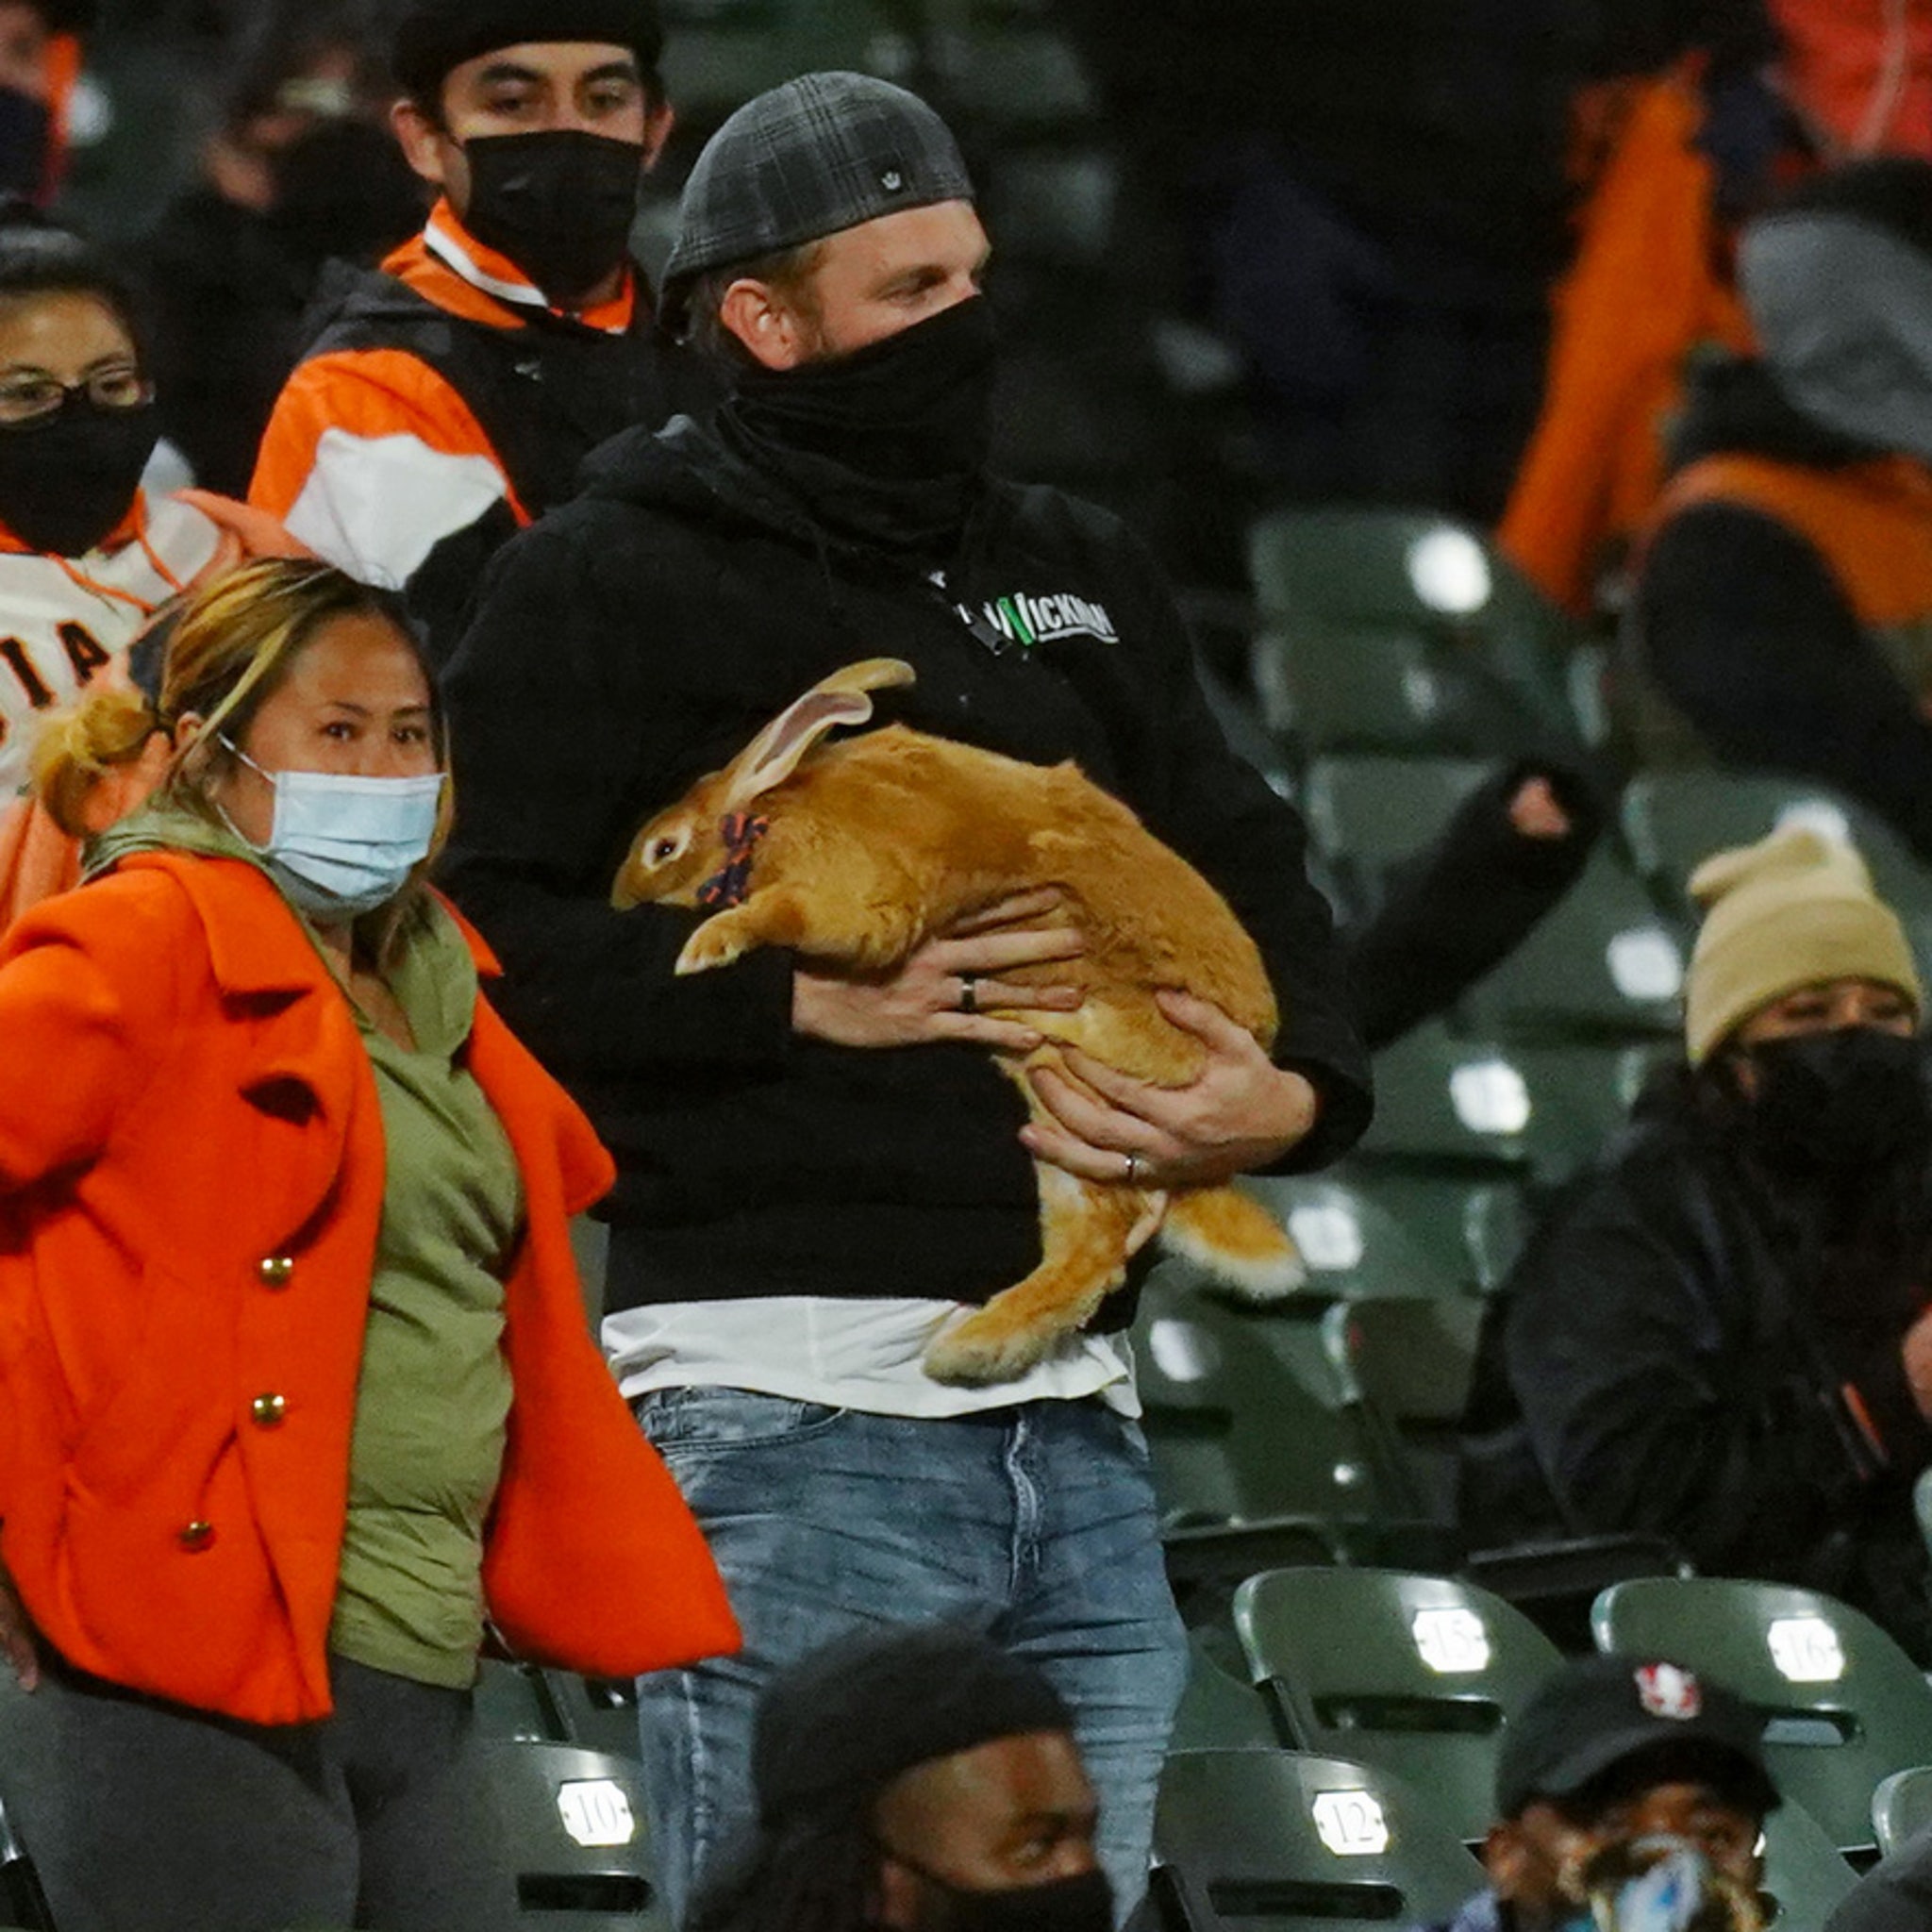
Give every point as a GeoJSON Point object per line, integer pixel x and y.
{"type": "Point", "coordinates": [774, 755]}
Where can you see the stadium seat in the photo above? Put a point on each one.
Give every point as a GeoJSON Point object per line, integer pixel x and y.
{"type": "Point", "coordinates": [1900, 1808]}
{"type": "Point", "coordinates": [1805, 1873]}
{"type": "Point", "coordinates": [1580, 1100]}
{"type": "Point", "coordinates": [1352, 1242]}
{"type": "Point", "coordinates": [1246, 1418]}
{"type": "Point", "coordinates": [1602, 963]}
{"type": "Point", "coordinates": [1416, 1675]}
{"type": "Point", "coordinates": [1447, 1103]}
{"type": "Point", "coordinates": [1327, 690]}
{"type": "Point", "coordinates": [21, 1897]}
{"type": "Point", "coordinates": [1220, 1711]}
{"type": "Point", "coordinates": [1497, 1221]}
{"type": "Point", "coordinates": [1408, 1366]}
{"type": "Point", "coordinates": [1287, 1842]}
{"type": "Point", "coordinates": [1340, 570]}
{"type": "Point", "coordinates": [1673, 820]}
{"type": "Point", "coordinates": [576, 1829]}
{"type": "Point", "coordinates": [1844, 1705]}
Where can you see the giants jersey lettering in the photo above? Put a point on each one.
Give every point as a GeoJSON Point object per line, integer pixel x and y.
{"type": "Point", "coordinates": [65, 621]}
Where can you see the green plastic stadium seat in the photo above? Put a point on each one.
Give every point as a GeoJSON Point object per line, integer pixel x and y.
{"type": "Point", "coordinates": [1351, 1243]}
{"type": "Point", "coordinates": [1805, 1873]}
{"type": "Point", "coordinates": [1366, 815]}
{"type": "Point", "coordinates": [1218, 1710]}
{"type": "Point", "coordinates": [1246, 1418]}
{"type": "Point", "coordinates": [1673, 820]}
{"type": "Point", "coordinates": [1327, 688]}
{"type": "Point", "coordinates": [1445, 1104]}
{"type": "Point", "coordinates": [1420, 573]}
{"type": "Point", "coordinates": [576, 1826]}
{"type": "Point", "coordinates": [1279, 1841]}
{"type": "Point", "coordinates": [1845, 1706]}
{"type": "Point", "coordinates": [1416, 1675]}
{"type": "Point", "coordinates": [1900, 1808]}
{"type": "Point", "coordinates": [1497, 1221]}
{"type": "Point", "coordinates": [1409, 1365]}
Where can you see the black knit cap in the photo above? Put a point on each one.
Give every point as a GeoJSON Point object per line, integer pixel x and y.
{"type": "Point", "coordinates": [435, 36]}
{"type": "Point", "coordinates": [1592, 1715]}
{"type": "Point", "coordinates": [839, 1725]}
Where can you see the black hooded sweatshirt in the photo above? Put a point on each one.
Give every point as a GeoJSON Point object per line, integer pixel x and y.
{"type": "Point", "coordinates": [638, 638]}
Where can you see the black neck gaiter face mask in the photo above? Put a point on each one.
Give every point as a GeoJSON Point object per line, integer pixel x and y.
{"type": "Point", "coordinates": [559, 203]}
{"type": "Point", "coordinates": [889, 445]}
{"type": "Point", "coordinates": [67, 480]}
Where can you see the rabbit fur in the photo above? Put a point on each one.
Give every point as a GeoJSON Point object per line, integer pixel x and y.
{"type": "Point", "coordinates": [861, 850]}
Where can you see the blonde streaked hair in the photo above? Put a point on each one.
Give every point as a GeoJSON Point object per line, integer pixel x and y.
{"type": "Point", "coordinates": [230, 648]}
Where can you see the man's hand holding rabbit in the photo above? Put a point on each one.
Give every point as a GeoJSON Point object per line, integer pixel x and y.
{"type": "Point", "coordinates": [949, 989]}
{"type": "Point", "coordinates": [1239, 1113]}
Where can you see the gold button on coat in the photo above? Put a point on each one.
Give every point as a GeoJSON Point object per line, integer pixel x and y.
{"type": "Point", "coordinates": [268, 1409]}
{"type": "Point", "coordinates": [277, 1270]}
{"type": "Point", "coordinates": [195, 1536]}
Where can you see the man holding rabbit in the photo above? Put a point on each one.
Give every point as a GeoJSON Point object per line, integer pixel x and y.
{"type": "Point", "coordinates": [820, 1171]}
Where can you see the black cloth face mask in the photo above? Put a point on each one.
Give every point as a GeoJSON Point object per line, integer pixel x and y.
{"type": "Point", "coordinates": [1083, 1903]}
{"type": "Point", "coordinates": [890, 443]}
{"type": "Point", "coordinates": [67, 479]}
{"type": "Point", "coordinates": [559, 203]}
{"type": "Point", "coordinates": [1847, 1099]}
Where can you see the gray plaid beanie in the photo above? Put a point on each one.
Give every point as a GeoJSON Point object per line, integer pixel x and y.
{"type": "Point", "coordinates": [822, 153]}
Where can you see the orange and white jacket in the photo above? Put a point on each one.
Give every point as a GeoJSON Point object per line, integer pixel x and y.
{"type": "Point", "coordinates": [443, 405]}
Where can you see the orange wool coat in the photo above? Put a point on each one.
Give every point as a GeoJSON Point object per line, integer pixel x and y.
{"type": "Point", "coordinates": [192, 1172]}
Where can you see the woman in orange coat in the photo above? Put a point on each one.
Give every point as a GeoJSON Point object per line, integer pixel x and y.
{"type": "Point", "coordinates": [296, 1395]}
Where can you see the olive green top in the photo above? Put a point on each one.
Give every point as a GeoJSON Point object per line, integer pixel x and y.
{"type": "Point", "coordinates": [435, 1389]}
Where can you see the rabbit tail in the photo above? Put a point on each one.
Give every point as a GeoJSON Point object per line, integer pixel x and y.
{"type": "Point", "coordinates": [1231, 1237]}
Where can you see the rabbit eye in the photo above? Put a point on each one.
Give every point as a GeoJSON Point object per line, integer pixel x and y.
{"type": "Point", "coordinates": [663, 849]}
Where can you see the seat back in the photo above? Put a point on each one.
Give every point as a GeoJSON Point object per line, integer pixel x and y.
{"type": "Point", "coordinates": [1805, 1873]}
{"type": "Point", "coordinates": [1351, 1244]}
{"type": "Point", "coordinates": [1844, 1706]}
{"type": "Point", "coordinates": [1284, 1842]}
{"type": "Point", "coordinates": [574, 1825]}
{"type": "Point", "coordinates": [1415, 1674]}
{"type": "Point", "coordinates": [1901, 1807]}
{"type": "Point", "coordinates": [1245, 1417]}
{"type": "Point", "coordinates": [1410, 1363]}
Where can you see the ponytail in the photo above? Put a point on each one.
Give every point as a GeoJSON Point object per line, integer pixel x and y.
{"type": "Point", "coordinates": [100, 736]}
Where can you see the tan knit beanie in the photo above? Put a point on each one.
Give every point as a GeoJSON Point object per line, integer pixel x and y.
{"type": "Point", "coordinates": [1793, 910]}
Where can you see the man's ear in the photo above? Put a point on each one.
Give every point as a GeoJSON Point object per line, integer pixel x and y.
{"type": "Point", "coordinates": [773, 332]}
{"type": "Point", "coordinates": [658, 124]}
{"type": "Point", "coordinates": [420, 140]}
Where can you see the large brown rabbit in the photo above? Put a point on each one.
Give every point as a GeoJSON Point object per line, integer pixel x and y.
{"type": "Point", "coordinates": [861, 851]}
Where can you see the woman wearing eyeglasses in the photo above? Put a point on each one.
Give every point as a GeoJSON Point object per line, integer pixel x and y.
{"type": "Point", "coordinates": [88, 556]}
{"type": "Point", "coordinates": [297, 1398]}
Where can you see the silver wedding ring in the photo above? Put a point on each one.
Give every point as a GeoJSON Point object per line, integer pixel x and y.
{"type": "Point", "coordinates": [1133, 1173]}
{"type": "Point", "coordinates": [969, 992]}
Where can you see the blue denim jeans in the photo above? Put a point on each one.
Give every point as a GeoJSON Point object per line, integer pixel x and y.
{"type": "Point", "coordinates": [1034, 1523]}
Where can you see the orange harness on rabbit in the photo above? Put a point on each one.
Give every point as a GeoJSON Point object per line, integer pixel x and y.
{"type": "Point", "coordinates": [730, 885]}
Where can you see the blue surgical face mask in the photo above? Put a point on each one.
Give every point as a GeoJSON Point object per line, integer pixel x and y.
{"type": "Point", "coordinates": [340, 846]}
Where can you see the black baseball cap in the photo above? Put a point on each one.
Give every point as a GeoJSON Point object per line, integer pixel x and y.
{"type": "Point", "coordinates": [1594, 1713]}
{"type": "Point", "coordinates": [435, 37]}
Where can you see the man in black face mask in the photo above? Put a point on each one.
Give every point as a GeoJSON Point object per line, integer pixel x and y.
{"type": "Point", "coordinates": [448, 401]}
{"type": "Point", "coordinates": [1724, 1337]}
{"type": "Point", "coordinates": [819, 1171]}
{"type": "Point", "coordinates": [914, 1779]}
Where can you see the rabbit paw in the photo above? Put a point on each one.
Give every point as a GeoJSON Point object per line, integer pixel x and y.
{"type": "Point", "coordinates": [984, 1348]}
{"type": "Point", "coordinates": [715, 943]}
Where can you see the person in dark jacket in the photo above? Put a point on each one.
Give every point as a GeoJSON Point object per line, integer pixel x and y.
{"type": "Point", "coordinates": [1784, 596]}
{"type": "Point", "coordinates": [301, 171]}
{"type": "Point", "coordinates": [1723, 1338]}
{"type": "Point", "coordinates": [445, 401]}
{"type": "Point", "coordinates": [818, 1173]}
